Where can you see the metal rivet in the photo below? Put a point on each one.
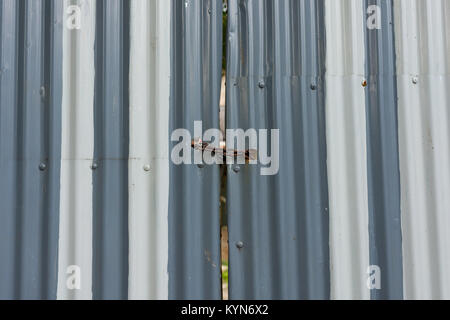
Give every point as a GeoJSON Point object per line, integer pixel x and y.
{"type": "Point", "coordinates": [313, 86]}
{"type": "Point", "coordinates": [209, 11]}
{"type": "Point", "coordinates": [262, 84]}
{"type": "Point", "coordinates": [201, 166]}
{"type": "Point", "coordinates": [94, 166]}
{"type": "Point", "coordinates": [236, 169]}
{"type": "Point", "coordinates": [364, 83]}
{"type": "Point", "coordinates": [239, 245]}
{"type": "Point", "coordinates": [415, 80]}
{"type": "Point", "coordinates": [42, 91]}
{"type": "Point", "coordinates": [42, 166]}
{"type": "Point", "coordinates": [147, 167]}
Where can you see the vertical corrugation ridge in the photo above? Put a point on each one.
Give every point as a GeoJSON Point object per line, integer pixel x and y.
{"type": "Point", "coordinates": [423, 65]}
{"type": "Point", "coordinates": [77, 151]}
{"type": "Point", "coordinates": [9, 109]}
{"type": "Point", "coordinates": [149, 150]}
{"type": "Point", "coordinates": [346, 142]}
{"type": "Point", "coordinates": [276, 66]}
{"type": "Point", "coordinates": [194, 228]}
{"type": "Point", "coordinates": [110, 179]}
{"type": "Point", "coordinates": [20, 98]}
{"type": "Point", "coordinates": [30, 92]}
{"type": "Point", "coordinates": [53, 99]}
{"type": "Point", "coordinates": [385, 236]}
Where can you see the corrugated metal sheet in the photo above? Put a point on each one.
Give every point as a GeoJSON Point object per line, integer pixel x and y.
{"type": "Point", "coordinates": [149, 151]}
{"type": "Point", "coordinates": [347, 149]}
{"type": "Point", "coordinates": [276, 68]}
{"type": "Point", "coordinates": [361, 89]}
{"type": "Point", "coordinates": [94, 206]}
{"type": "Point", "coordinates": [111, 149]}
{"type": "Point", "coordinates": [30, 146]}
{"type": "Point", "coordinates": [114, 205]}
{"type": "Point", "coordinates": [382, 154]}
{"type": "Point", "coordinates": [86, 114]}
{"type": "Point", "coordinates": [423, 67]}
{"type": "Point", "coordinates": [76, 210]}
{"type": "Point", "coordinates": [194, 227]}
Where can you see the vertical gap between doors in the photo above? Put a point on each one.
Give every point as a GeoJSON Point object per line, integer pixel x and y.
{"type": "Point", "coordinates": [223, 167]}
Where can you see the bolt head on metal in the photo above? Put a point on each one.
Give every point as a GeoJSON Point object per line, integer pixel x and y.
{"type": "Point", "coordinates": [147, 168]}
{"type": "Point", "coordinates": [236, 169]}
{"type": "Point", "coordinates": [94, 166]}
{"type": "Point", "coordinates": [42, 166]}
{"type": "Point", "coordinates": [42, 92]}
{"type": "Point", "coordinates": [364, 83]}
{"type": "Point", "coordinates": [313, 86]}
{"type": "Point", "coordinates": [201, 166]}
{"type": "Point", "coordinates": [239, 245]}
{"type": "Point", "coordinates": [262, 84]}
{"type": "Point", "coordinates": [415, 80]}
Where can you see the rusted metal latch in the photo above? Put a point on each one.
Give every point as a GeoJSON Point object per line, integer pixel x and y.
{"type": "Point", "coordinates": [222, 151]}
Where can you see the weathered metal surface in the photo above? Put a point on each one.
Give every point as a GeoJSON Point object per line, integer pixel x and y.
{"type": "Point", "coordinates": [30, 146]}
{"type": "Point", "coordinates": [86, 115]}
{"type": "Point", "coordinates": [111, 148]}
{"type": "Point", "coordinates": [347, 149]}
{"type": "Point", "coordinates": [422, 36]}
{"type": "Point", "coordinates": [149, 151]}
{"type": "Point", "coordinates": [194, 228]}
{"type": "Point", "coordinates": [77, 149]}
{"type": "Point", "coordinates": [276, 69]}
{"type": "Point", "coordinates": [385, 235]}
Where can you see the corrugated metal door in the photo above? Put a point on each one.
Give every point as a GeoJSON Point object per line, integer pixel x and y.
{"type": "Point", "coordinates": [278, 225]}
{"type": "Point", "coordinates": [91, 91]}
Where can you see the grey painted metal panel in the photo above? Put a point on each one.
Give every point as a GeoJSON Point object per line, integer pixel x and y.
{"type": "Point", "coordinates": [277, 51]}
{"type": "Point", "coordinates": [194, 229]}
{"type": "Point", "coordinates": [282, 220]}
{"type": "Point", "coordinates": [30, 139]}
{"type": "Point", "coordinates": [385, 237]}
{"type": "Point", "coordinates": [111, 123]}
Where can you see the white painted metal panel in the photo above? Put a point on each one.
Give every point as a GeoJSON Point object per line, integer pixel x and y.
{"type": "Point", "coordinates": [423, 66]}
{"type": "Point", "coordinates": [149, 162]}
{"type": "Point", "coordinates": [75, 231]}
{"type": "Point", "coordinates": [346, 149]}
